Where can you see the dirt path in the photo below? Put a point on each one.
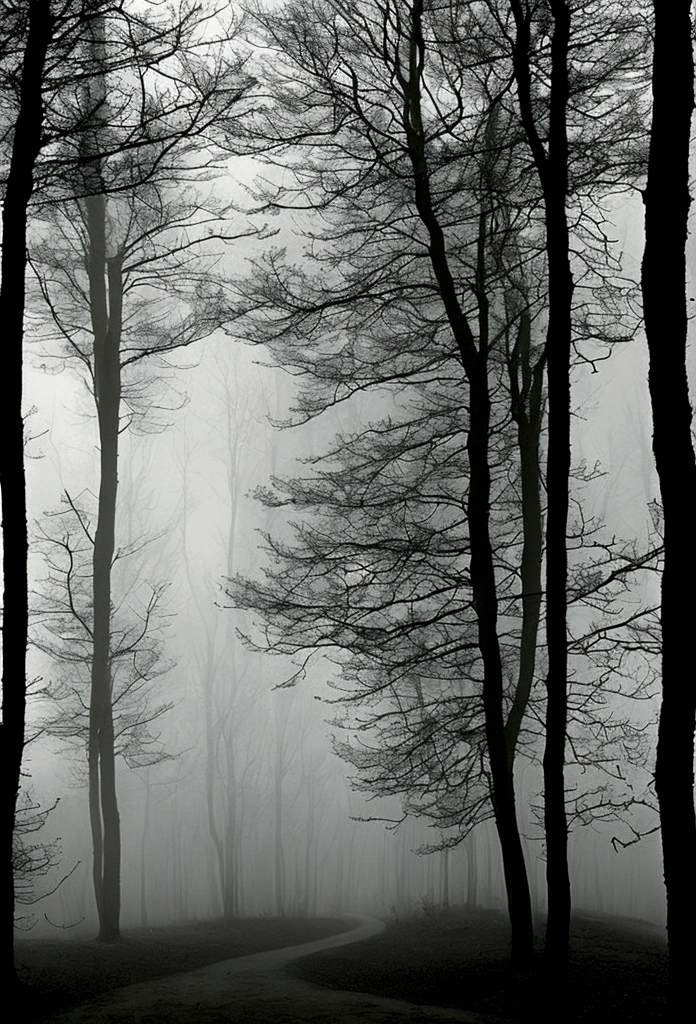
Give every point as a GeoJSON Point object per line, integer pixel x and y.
{"type": "Point", "coordinates": [256, 990]}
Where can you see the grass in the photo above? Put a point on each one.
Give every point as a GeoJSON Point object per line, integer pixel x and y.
{"type": "Point", "coordinates": [618, 969]}
{"type": "Point", "coordinates": [59, 973]}
{"type": "Point", "coordinates": [448, 958]}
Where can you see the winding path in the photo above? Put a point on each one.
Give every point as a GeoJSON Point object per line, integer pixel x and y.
{"type": "Point", "coordinates": [256, 990]}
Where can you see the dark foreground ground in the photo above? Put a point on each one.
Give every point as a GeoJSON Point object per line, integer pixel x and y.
{"type": "Point", "coordinates": [60, 973]}
{"type": "Point", "coordinates": [454, 958]}
{"type": "Point", "coordinates": [618, 970]}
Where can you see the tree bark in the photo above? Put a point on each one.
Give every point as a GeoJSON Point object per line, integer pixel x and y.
{"type": "Point", "coordinates": [279, 854]}
{"type": "Point", "coordinates": [474, 360]}
{"type": "Point", "coordinates": [26, 146]}
{"type": "Point", "coordinates": [552, 167]}
{"type": "Point", "coordinates": [471, 872]}
{"type": "Point", "coordinates": [106, 298]}
{"type": "Point", "coordinates": [667, 201]}
{"type": "Point", "coordinates": [144, 920]}
{"type": "Point", "coordinates": [526, 388]}
{"type": "Point", "coordinates": [444, 879]}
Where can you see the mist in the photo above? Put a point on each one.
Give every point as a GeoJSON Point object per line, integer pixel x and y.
{"type": "Point", "coordinates": [356, 469]}
{"type": "Point", "coordinates": [278, 788]}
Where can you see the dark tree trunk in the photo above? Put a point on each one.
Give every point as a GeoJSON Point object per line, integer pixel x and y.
{"type": "Point", "coordinates": [552, 167]}
{"type": "Point", "coordinates": [106, 295]}
{"type": "Point", "coordinates": [486, 605]}
{"type": "Point", "coordinates": [279, 855]}
{"type": "Point", "coordinates": [667, 201]}
{"type": "Point", "coordinates": [526, 390]}
{"type": "Point", "coordinates": [20, 184]}
{"type": "Point", "coordinates": [144, 920]}
{"type": "Point", "coordinates": [471, 872]}
{"type": "Point", "coordinates": [475, 363]}
{"type": "Point", "coordinates": [231, 908]}
{"type": "Point", "coordinates": [444, 879]}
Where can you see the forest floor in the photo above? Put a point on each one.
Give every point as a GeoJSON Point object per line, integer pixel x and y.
{"type": "Point", "coordinates": [58, 974]}
{"type": "Point", "coordinates": [458, 958]}
{"type": "Point", "coordinates": [413, 971]}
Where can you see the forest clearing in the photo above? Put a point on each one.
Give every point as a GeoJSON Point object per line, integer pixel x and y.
{"type": "Point", "coordinates": [433, 961]}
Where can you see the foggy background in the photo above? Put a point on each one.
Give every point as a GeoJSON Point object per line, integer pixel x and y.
{"type": "Point", "coordinates": [279, 792]}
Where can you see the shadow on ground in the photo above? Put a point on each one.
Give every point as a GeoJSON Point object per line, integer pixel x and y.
{"type": "Point", "coordinates": [429, 967]}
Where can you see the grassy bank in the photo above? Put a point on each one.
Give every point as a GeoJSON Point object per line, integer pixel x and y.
{"type": "Point", "coordinates": [59, 973]}
{"type": "Point", "coordinates": [617, 974]}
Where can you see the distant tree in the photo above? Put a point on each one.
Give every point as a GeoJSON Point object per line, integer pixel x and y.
{"type": "Point", "coordinates": [231, 748]}
{"type": "Point", "coordinates": [667, 200]}
{"type": "Point", "coordinates": [44, 81]}
{"type": "Point", "coordinates": [119, 269]}
{"type": "Point", "coordinates": [63, 629]}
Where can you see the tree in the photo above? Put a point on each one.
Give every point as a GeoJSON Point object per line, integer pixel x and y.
{"type": "Point", "coordinates": [62, 629]}
{"type": "Point", "coordinates": [667, 201]}
{"type": "Point", "coordinates": [43, 69]}
{"type": "Point", "coordinates": [226, 686]}
{"type": "Point", "coordinates": [552, 166]}
{"type": "Point", "coordinates": [412, 158]}
{"type": "Point", "coordinates": [149, 329]}
{"type": "Point", "coordinates": [124, 283]}
{"type": "Point", "coordinates": [32, 37]}
{"type": "Point", "coordinates": [564, 54]}
{"type": "Point", "coordinates": [422, 183]}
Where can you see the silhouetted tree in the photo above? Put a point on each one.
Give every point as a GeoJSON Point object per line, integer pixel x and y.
{"type": "Point", "coordinates": [122, 283]}
{"type": "Point", "coordinates": [667, 200]}
{"type": "Point", "coordinates": [418, 101]}
{"type": "Point", "coordinates": [45, 75]}
{"type": "Point", "coordinates": [26, 36]}
{"type": "Point", "coordinates": [565, 56]}
{"type": "Point", "coordinates": [400, 235]}
{"type": "Point", "coordinates": [429, 217]}
{"type": "Point", "coordinates": [63, 629]}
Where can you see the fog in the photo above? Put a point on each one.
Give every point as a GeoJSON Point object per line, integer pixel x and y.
{"type": "Point", "coordinates": [245, 769]}
{"type": "Point", "coordinates": [293, 672]}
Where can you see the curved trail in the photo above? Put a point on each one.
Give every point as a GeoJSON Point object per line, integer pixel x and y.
{"type": "Point", "coordinates": [255, 990]}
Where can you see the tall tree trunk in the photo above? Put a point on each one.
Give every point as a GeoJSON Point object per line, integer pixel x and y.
{"type": "Point", "coordinates": [486, 604]}
{"type": "Point", "coordinates": [444, 879]}
{"type": "Point", "coordinates": [106, 311]}
{"type": "Point", "coordinates": [230, 902]}
{"type": "Point", "coordinates": [552, 166]}
{"type": "Point", "coordinates": [667, 202]}
{"type": "Point", "coordinates": [471, 872]}
{"type": "Point", "coordinates": [526, 390]}
{"type": "Point", "coordinates": [310, 865]}
{"type": "Point", "coordinates": [558, 349]}
{"type": "Point", "coordinates": [474, 360]}
{"type": "Point", "coordinates": [279, 855]}
{"type": "Point", "coordinates": [106, 296]}
{"type": "Point", "coordinates": [207, 673]}
{"type": "Point", "coordinates": [26, 145]}
{"type": "Point", "coordinates": [144, 921]}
